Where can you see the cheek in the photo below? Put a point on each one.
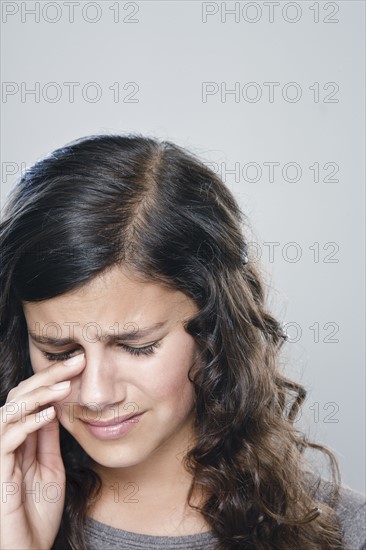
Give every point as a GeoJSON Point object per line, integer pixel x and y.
{"type": "Point", "coordinates": [172, 382]}
{"type": "Point", "coordinates": [170, 379]}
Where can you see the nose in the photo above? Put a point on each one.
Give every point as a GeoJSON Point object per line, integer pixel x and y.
{"type": "Point", "coordinates": [98, 387]}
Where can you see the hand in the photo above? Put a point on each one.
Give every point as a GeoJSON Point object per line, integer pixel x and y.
{"type": "Point", "coordinates": [31, 461]}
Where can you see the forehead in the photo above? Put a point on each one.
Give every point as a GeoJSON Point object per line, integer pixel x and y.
{"type": "Point", "coordinates": [117, 295]}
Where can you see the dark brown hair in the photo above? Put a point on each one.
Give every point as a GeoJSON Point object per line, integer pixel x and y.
{"type": "Point", "coordinates": [106, 200]}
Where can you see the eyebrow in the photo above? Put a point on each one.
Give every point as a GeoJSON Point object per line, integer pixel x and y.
{"type": "Point", "coordinates": [126, 336]}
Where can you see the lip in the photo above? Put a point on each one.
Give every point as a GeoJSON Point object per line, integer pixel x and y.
{"type": "Point", "coordinates": [112, 421]}
{"type": "Point", "coordinates": [113, 429]}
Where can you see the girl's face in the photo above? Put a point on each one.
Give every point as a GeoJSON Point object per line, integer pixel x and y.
{"type": "Point", "coordinates": [116, 381]}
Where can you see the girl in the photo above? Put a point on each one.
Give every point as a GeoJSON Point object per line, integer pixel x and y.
{"type": "Point", "coordinates": [143, 405]}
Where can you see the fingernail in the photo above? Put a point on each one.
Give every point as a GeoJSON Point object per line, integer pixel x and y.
{"type": "Point", "coordinates": [60, 385]}
{"type": "Point", "coordinates": [74, 360]}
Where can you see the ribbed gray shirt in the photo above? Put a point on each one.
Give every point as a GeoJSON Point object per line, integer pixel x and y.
{"type": "Point", "coordinates": [351, 511]}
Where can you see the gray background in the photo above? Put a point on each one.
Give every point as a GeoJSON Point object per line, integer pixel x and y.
{"type": "Point", "coordinates": [168, 50]}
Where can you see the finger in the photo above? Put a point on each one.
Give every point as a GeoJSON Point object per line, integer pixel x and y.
{"type": "Point", "coordinates": [48, 448]}
{"type": "Point", "coordinates": [18, 432]}
{"type": "Point", "coordinates": [14, 411]}
{"type": "Point", "coordinates": [28, 449]}
{"type": "Point", "coordinates": [57, 372]}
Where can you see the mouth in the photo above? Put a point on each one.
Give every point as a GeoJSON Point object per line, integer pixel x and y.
{"type": "Point", "coordinates": [115, 428]}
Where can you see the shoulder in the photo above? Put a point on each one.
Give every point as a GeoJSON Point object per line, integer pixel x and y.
{"type": "Point", "coordinates": [351, 510]}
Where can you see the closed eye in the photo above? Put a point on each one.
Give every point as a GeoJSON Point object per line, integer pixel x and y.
{"type": "Point", "coordinates": [146, 350]}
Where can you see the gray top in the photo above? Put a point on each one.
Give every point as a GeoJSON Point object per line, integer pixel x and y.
{"type": "Point", "coordinates": [351, 510]}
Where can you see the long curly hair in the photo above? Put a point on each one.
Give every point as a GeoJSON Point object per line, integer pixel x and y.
{"type": "Point", "coordinates": [106, 200]}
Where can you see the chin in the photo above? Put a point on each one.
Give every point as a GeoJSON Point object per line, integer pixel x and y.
{"type": "Point", "coordinates": [116, 461]}
{"type": "Point", "coordinates": [115, 453]}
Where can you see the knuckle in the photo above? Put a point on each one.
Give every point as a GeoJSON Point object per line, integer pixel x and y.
{"type": "Point", "coordinates": [11, 394]}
